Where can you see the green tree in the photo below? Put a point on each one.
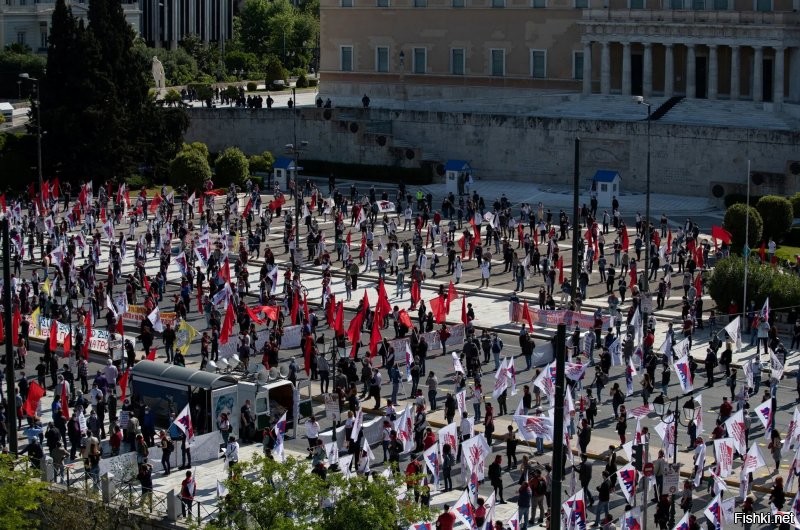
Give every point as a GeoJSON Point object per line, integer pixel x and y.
{"type": "Point", "coordinates": [200, 147]}
{"type": "Point", "coordinates": [735, 221]}
{"type": "Point", "coordinates": [206, 56]}
{"type": "Point", "coordinates": [13, 63]}
{"type": "Point", "coordinates": [286, 496]}
{"type": "Point", "coordinates": [189, 168]}
{"type": "Point", "coordinates": [239, 60]}
{"type": "Point", "coordinates": [262, 163]}
{"type": "Point", "coordinates": [795, 204]}
{"type": "Point", "coordinates": [275, 71]}
{"type": "Point", "coordinates": [172, 97]}
{"type": "Point", "coordinates": [277, 27]}
{"type": "Point", "coordinates": [231, 167]}
{"type": "Point", "coordinates": [727, 283]}
{"type": "Point", "coordinates": [21, 494]}
{"type": "Point", "coordinates": [180, 67]}
{"type": "Point", "coordinates": [777, 214]}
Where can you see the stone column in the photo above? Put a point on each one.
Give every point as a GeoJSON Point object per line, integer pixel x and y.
{"type": "Point", "coordinates": [669, 71]}
{"type": "Point", "coordinates": [626, 68]}
{"type": "Point", "coordinates": [777, 85]}
{"type": "Point", "coordinates": [605, 69]}
{"type": "Point", "coordinates": [192, 19]}
{"type": "Point", "coordinates": [690, 71]}
{"type": "Point", "coordinates": [587, 68]}
{"type": "Point", "coordinates": [713, 81]}
{"type": "Point", "coordinates": [647, 70]}
{"type": "Point", "coordinates": [206, 20]}
{"type": "Point", "coordinates": [735, 73]}
{"type": "Point", "coordinates": [173, 41]}
{"type": "Point", "coordinates": [758, 73]}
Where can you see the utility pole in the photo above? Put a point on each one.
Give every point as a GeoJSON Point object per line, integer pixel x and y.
{"type": "Point", "coordinates": [560, 355]}
{"type": "Point", "coordinates": [11, 420]}
{"type": "Point", "coordinates": [576, 175]}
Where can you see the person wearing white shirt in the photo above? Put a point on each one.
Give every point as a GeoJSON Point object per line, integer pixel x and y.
{"type": "Point", "coordinates": [312, 433]}
{"type": "Point", "coordinates": [95, 395]}
{"type": "Point", "coordinates": [232, 454]}
{"type": "Point", "coordinates": [407, 214]}
{"type": "Point", "coordinates": [111, 372]}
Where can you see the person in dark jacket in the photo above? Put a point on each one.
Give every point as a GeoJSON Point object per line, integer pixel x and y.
{"type": "Point", "coordinates": [496, 477]}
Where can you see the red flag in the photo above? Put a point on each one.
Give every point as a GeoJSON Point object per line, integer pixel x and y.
{"type": "Point", "coordinates": [54, 188]}
{"type": "Point", "coordinates": [354, 329]}
{"type": "Point", "coordinates": [3, 201]}
{"type": "Point", "coordinates": [330, 312]}
{"type": "Point", "coordinates": [295, 308]}
{"type": "Point", "coordinates": [363, 248]}
{"type": "Point", "coordinates": [452, 294]}
{"type": "Point", "coordinates": [45, 191]}
{"type": "Point", "coordinates": [375, 334]}
{"type": "Point", "coordinates": [526, 315]}
{"type": "Point", "coordinates": [16, 320]}
{"type": "Point", "coordinates": [669, 242]}
{"type": "Point", "coordinates": [472, 244]}
{"type": "Point", "coordinates": [698, 253]}
{"type": "Point", "coordinates": [349, 238]}
{"type": "Point", "coordinates": [438, 308]}
{"type": "Point", "coordinates": [339, 327]}
{"type": "Point", "coordinates": [64, 400]}
{"type": "Point", "coordinates": [200, 201]}
{"type": "Point", "coordinates": [127, 197]}
{"type": "Point", "coordinates": [404, 318]}
{"type": "Point", "coordinates": [464, 311]}
{"type": "Point", "coordinates": [305, 308]}
{"type": "Point", "coordinates": [35, 393]}
{"type": "Point", "coordinates": [120, 328]}
{"type": "Point", "coordinates": [155, 202]}
{"type": "Point", "coordinates": [254, 316]}
{"type": "Point", "coordinates": [698, 285]}
{"type": "Point", "coordinates": [656, 239]}
{"type": "Point", "coordinates": [123, 383]}
{"type": "Point", "coordinates": [103, 215]}
{"type": "Point", "coordinates": [313, 201]}
{"type": "Point", "coordinates": [247, 207]}
{"type": "Point", "coordinates": [146, 284]}
{"type": "Point", "coordinates": [270, 311]}
{"type": "Point", "coordinates": [762, 251]}
{"type": "Point", "coordinates": [415, 295]}
{"type": "Point", "coordinates": [476, 232]}
{"type": "Point", "coordinates": [463, 246]}
{"type": "Point", "coordinates": [560, 265]}
{"type": "Point", "coordinates": [53, 335]}
{"type": "Point", "coordinates": [88, 322]}
{"type": "Point", "coordinates": [383, 299]}
{"type": "Point", "coordinates": [227, 324]}
{"type": "Point", "coordinates": [717, 232]}
{"type": "Point", "coordinates": [67, 344]}
{"type": "Point", "coordinates": [308, 344]}
{"type": "Point", "coordinates": [151, 356]}
{"type": "Point", "coordinates": [2, 330]}
{"type": "Point", "coordinates": [625, 242]}
{"type": "Point", "coordinates": [226, 270]}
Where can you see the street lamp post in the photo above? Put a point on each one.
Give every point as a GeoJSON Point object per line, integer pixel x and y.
{"type": "Point", "coordinates": [647, 229]}
{"type": "Point", "coordinates": [664, 410]}
{"type": "Point", "coordinates": [294, 149]}
{"type": "Point", "coordinates": [37, 84]}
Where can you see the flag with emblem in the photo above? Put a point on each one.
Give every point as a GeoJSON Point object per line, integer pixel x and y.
{"type": "Point", "coordinates": [184, 422]}
{"type": "Point", "coordinates": [627, 478]}
{"type": "Point", "coordinates": [184, 336]}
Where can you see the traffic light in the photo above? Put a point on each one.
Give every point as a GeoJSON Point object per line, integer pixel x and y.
{"type": "Point", "coordinates": [638, 451]}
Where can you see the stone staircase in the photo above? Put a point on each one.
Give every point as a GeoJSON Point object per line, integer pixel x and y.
{"type": "Point", "coordinates": [744, 114]}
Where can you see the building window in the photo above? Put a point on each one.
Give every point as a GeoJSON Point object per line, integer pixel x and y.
{"type": "Point", "coordinates": [539, 3]}
{"type": "Point", "coordinates": [21, 37]}
{"type": "Point", "coordinates": [676, 4]}
{"type": "Point", "coordinates": [22, 2]}
{"type": "Point", "coordinates": [721, 5]}
{"type": "Point", "coordinates": [577, 65]}
{"type": "Point", "coordinates": [763, 5]}
{"type": "Point", "coordinates": [581, 4]}
{"type": "Point", "coordinates": [43, 39]}
{"type": "Point", "coordinates": [498, 60]}
{"type": "Point", "coordinates": [539, 64]}
{"type": "Point", "coordinates": [420, 60]}
{"type": "Point", "coordinates": [420, 3]}
{"type": "Point", "coordinates": [346, 57]}
{"type": "Point", "coordinates": [457, 61]}
{"type": "Point", "coordinates": [698, 5]}
{"type": "Point", "coordinates": [636, 4]}
{"type": "Point", "coordinates": [498, 3]}
{"type": "Point", "coordinates": [382, 3]}
{"type": "Point", "coordinates": [382, 59]}
{"type": "Point", "coordinates": [458, 3]}
{"type": "Point", "coordinates": [347, 3]}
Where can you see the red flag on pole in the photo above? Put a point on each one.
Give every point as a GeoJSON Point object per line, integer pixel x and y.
{"type": "Point", "coordinates": [119, 327]}
{"type": "Point", "coordinates": [698, 285]}
{"type": "Point", "coordinates": [64, 399]}
{"type": "Point", "coordinates": [254, 316]}
{"type": "Point", "coordinates": [247, 207]}
{"type": "Point", "coordinates": [295, 308]}
{"type": "Point", "coordinates": [88, 337]}
{"type": "Point", "coordinates": [348, 239]}
{"type": "Point", "coordinates": [155, 202]}
{"type": "Point", "coordinates": [330, 312]}
{"type": "Point", "coordinates": [560, 265]}
{"type": "Point", "coordinates": [463, 311]}
{"type": "Point", "coordinates": [67, 343]}
{"type": "Point", "coordinates": [53, 335]}
{"type": "Point", "coordinates": [16, 321]}
{"type": "Point", "coordinates": [339, 319]}
{"type": "Point", "coordinates": [146, 284]}
{"type": "Point", "coordinates": [35, 393]}
{"type": "Point", "coordinates": [625, 242]}
{"type": "Point", "coordinates": [123, 383]}
{"type": "Point", "coordinates": [305, 308]}
{"type": "Point", "coordinates": [463, 246]}
{"type": "Point", "coordinates": [151, 355]}
{"type": "Point", "coordinates": [452, 295]}
{"type": "Point", "coordinates": [438, 307]}
{"type": "Point", "coordinates": [375, 334]}
{"type": "Point", "coordinates": [717, 232]}
{"type": "Point", "coordinates": [383, 299]}
{"type": "Point", "coordinates": [227, 324]}
{"type": "Point", "coordinates": [404, 318]}
{"type": "Point", "coordinates": [200, 204]}
{"type": "Point", "coordinates": [526, 315]}
{"type": "Point", "coordinates": [3, 201]}
{"type": "Point", "coordinates": [414, 293]}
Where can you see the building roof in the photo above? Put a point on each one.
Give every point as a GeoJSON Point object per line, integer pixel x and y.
{"type": "Point", "coordinates": [457, 165]}
{"type": "Point", "coordinates": [181, 375]}
{"type": "Point", "coordinates": [283, 162]}
{"type": "Point", "coordinates": [605, 175]}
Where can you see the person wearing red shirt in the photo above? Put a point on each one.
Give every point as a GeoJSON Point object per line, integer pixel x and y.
{"type": "Point", "coordinates": [412, 469]}
{"type": "Point", "coordinates": [446, 520]}
{"type": "Point", "coordinates": [115, 441]}
{"type": "Point", "coordinates": [725, 409]}
{"type": "Point", "coordinates": [429, 440]}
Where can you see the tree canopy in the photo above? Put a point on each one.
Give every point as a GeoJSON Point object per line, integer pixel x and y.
{"type": "Point", "coordinates": [21, 494]}
{"type": "Point", "coordinates": [735, 222]}
{"type": "Point", "coordinates": [99, 119]}
{"type": "Point", "coordinates": [287, 496]}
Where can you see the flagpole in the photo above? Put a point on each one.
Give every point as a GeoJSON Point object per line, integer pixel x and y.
{"type": "Point", "coordinates": [7, 321]}
{"type": "Point", "coordinates": [560, 354]}
{"type": "Point", "coordinates": [746, 246]}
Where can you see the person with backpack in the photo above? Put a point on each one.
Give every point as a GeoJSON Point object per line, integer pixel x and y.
{"type": "Point", "coordinates": [497, 348]}
{"type": "Point", "coordinates": [167, 447]}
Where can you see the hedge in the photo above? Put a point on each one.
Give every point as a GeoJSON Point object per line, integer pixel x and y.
{"type": "Point", "coordinates": [727, 283]}
{"type": "Point", "coordinates": [735, 221]}
{"type": "Point", "coordinates": [777, 213]}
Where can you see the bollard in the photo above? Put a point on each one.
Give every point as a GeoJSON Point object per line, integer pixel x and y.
{"type": "Point", "coordinates": [173, 508]}
{"type": "Point", "coordinates": [107, 487]}
{"type": "Point", "coordinates": [48, 473]}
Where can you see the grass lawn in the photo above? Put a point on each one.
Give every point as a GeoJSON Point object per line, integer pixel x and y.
{"type": "Point", "coordinates": [787, 253]}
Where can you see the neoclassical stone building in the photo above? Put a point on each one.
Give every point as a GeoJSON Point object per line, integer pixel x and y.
{"type": "Point", "coordinates": [715, 49]}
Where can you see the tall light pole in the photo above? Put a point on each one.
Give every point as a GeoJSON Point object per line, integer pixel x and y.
{"type": "Point", "coordinates": [294, 149]}
{"type": "Point", "coordinates": [37, 84]}
{"type": "Point", "coordinates": [8, 322]}
{"type": "Point", "coordinates": [641, 101]}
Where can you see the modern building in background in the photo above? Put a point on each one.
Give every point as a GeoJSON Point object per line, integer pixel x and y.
{"type": "Point", "coordinates": [726, 49]}
{"type": "Point", "coordinates": [27, 22]}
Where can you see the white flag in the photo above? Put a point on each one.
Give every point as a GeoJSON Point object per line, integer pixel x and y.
{"type": "Point", "coordinates": [532, 427]}
{"type": "Point", "coordinates": [733, 331]}
{"type": "Point", "coordinates": [184, 422]}
{"type": "Point", "coordinates": [724, 448]}
{"type": "Point", "coordinates": [155, 318]}
{"type": "Point", "coordinates": [735, 427]}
